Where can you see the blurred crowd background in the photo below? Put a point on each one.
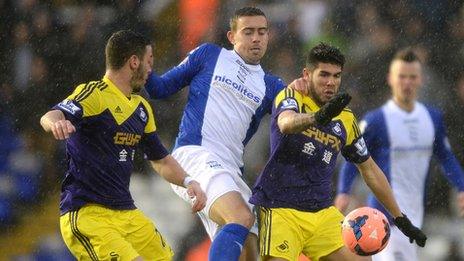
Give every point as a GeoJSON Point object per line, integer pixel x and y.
{"type": "Point", "coordinates": [48, 47]}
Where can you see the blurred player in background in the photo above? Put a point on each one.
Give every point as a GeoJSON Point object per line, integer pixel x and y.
{"type": "Point", "coordinates": [103, 123]}
{"type": "Point", "coordinates": [402, 136]}
{"type": "Point", "coordinates": [294, 190]}
{"type": "Point", "coordinates": [229, 94]}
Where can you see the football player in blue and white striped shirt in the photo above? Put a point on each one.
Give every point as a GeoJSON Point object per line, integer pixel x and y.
{"type": "Point", "coordinates": [402, 136]}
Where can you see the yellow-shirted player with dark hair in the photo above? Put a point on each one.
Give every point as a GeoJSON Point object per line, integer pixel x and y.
{"type": "Point", "coordinates": [103, 123]}
{"type": "Point", "coordinates": [294, 191]}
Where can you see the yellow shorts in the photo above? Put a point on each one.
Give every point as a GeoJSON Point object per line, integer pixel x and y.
{"type": "Point", "coordinates": [97, 233]}
{"type": "Point", "coordinates": [286, 233]}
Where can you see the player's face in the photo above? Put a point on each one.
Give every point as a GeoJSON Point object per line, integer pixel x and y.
{"type": "Point", "coordinates": [250, 38]}
{"type": "Point", "coordinates": [323, 81]}
{"type": "Point", "coordinates": [405, 78]}
{"type": "Point", "coordinates": [141, 73]}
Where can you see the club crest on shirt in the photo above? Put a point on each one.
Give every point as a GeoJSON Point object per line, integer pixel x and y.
{"type": "Point", "coordinates": [143, 115]}
{"type": "Point", "coordinates": [337, 129]}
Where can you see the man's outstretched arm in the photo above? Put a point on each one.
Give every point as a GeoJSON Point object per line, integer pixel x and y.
{"type": "Point", "coordinates": [378, 183]}
{"type": "Point", "coordinates": [159, 87]}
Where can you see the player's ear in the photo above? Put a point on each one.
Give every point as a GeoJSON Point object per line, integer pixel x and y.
{"type": "Point", "coordinates": [307, 74]}
{"type": "Point", "coordinates": [231, 37]}
{"type": "Point", "coordinates": [134, 62]}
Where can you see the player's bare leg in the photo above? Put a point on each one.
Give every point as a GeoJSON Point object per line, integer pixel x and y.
{"type": "Point", "coordinates": [250, 249]}
{"type": "Point", "coordinates": [345, 254]}
{"type": "Point", "coordinates": [231, 208]}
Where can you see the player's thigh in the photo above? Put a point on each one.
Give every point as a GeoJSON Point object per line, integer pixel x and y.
{"type": "Point", "coordinates": [279, 234]}
{"type": "Point", "coordinates": [216, 180]}
{"type": "Point", "coordinates": [325, 227]}
{"type": "Point", "coordinates": [146, 239]}
{"type": "Point", "coordinates": [232, 205]}
{"type": "Point", "coordinates": [93, 233]}
{"type": "Point", "coordinates": [231, 208]}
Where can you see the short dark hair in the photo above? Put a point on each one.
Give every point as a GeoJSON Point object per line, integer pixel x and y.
{"type": "Point", "coordinates": [406, 55]}
{"type": "Point", "coordinates": [245, 11]}
{"type": "Point", "coordinates": [324, 53]}
{"type": "Point", "coordinates": [122, 45]}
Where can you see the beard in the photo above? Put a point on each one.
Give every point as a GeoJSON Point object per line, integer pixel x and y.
{"type": "Point", "coordinates": [312, 92]}
{"type": "Point", "coordinates": [137, 79]}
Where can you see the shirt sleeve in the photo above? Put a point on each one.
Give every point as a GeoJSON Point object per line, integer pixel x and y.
{"type": "Point", "coordinates": [277, 86]}
{"type": "Point", "coordinates": [349, 171]}
{"type": "Point", "coordinates": [84, 101]}
{"type": "Point", "coordinates": [151, 144]}
{"type": "Point", "coordinates": [442, 151]}
{"type": "Point", "coordinates": [355, 149]}
{"type": "Point", "coordinates": [152, 147]}
{"type": "Point", "coordinates": [174, 80]}
{"type": "Point", "coordinates": [287, 99]}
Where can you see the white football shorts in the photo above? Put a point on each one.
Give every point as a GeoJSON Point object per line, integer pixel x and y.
{"type": "Point", "coordinates": [215, 179]}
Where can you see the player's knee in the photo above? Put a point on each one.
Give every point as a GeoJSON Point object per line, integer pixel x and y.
{"type": "Point", "coordinates": [244, 218]}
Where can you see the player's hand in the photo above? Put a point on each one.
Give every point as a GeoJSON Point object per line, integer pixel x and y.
{"type": "Point", "coordinates": [299, 85]}
{"type": "Point", "coordinates": [332, 108]}
{"type": "Point", "coordinates": [197, 196]}
{"type": "Point", "coordinates": [461, 203]}
{"type": "Point", "coordinates": [62, 129]}
{"type": "Point", "coordinates": [408, 229]}
{"type": "Point", "coordinates": [342, 201]}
